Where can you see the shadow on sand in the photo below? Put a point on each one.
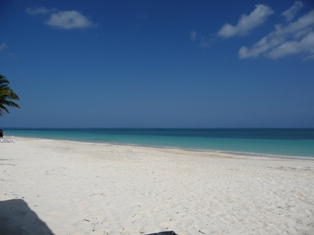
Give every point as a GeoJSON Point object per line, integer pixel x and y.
{"type": "Point", "coordinates": [16, 218]}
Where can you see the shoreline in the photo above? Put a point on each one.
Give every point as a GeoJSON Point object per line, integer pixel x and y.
{"type": "Point", "coordinates": [212, 151]}
{"type": "Point", "coordinates": [272, 142]}
{"type": "Point", "coordinates": [70, 187]}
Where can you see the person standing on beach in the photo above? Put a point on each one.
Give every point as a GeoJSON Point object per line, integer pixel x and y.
{"type": "Point", "coordinates": [1, 134]}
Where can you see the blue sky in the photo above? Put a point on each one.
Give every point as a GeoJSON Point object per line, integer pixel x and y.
{"type": "Point", "coordinates": [161, 63]}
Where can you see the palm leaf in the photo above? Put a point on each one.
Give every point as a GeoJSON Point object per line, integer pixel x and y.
{"type": "Point", "coordinates": [2, 109]}
{"type": "Point", "coordinates": [6, 95]}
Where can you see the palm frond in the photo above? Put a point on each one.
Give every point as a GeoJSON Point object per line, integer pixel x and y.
{"type": "Point", "coordinates": [9, 103]}
{"type": "Point", "coordinates": [2, 107]}
{"type": "Point", "coordinates": [10, 94]}
{"type": "Point", "coordinates": [6, 95]}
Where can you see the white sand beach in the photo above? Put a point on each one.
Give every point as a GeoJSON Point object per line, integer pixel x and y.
{"type": "Point", "coordinates": [63, 187]}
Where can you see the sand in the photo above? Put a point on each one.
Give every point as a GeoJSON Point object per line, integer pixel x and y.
{"type": "Point", "coordinates": [63, 187]}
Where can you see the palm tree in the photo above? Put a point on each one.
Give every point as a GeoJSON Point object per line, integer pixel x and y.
{"type": "Point", "coordinates": [6, 96]}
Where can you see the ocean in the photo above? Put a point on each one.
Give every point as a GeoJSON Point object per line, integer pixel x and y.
{"type": "Point", "coordinates": [272, 142]}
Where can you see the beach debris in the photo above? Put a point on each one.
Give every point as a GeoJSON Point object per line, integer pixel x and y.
{"type": "Point", "coordinates": [7, 140]}
{"type": "Point", "coordinates": [164, 233]}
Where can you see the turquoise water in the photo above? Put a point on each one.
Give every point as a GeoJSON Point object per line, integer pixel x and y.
{"type": "Point", "coordinates": [286, 142]}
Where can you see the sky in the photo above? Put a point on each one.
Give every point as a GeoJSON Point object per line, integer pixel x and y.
{"type": "Point", "coordinates": [158, 63]}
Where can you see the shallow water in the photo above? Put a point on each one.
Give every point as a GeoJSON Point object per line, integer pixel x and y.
{"type": "Point", "coordinates": [286, 142]}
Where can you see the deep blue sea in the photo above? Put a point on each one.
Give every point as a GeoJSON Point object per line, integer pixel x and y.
{"type": "Point", "coordinates": [285, 142]}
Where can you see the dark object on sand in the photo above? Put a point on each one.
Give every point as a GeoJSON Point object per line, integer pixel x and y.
{"type": "Point", "coordinates": [16, 218]}
{"type": "Point", "coordinates": [1, 133]}
{"type": "Point", "coordinates": [164, 233]}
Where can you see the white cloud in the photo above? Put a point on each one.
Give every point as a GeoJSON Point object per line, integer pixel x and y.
{"type": "Point", "coordinates": [12, 55]}
{"type": "Point", "coordinates": [284, 40]}
{"type": "Point", "coordinates": [69, 20]}
{"type": "Point", "coordinates": [3, 46]}
{"type": "Point", "coordinates": [293, 47]}
{"type": "Point", "coordinates": [37, 10]}
{"type": "Point", "coordinates": [292, 11]}
{"type": "Point", "coordinates": [310, 57]}
{"type": "Point", "coordinates": [62, 19]}
{"type": "Point", "coordinates": [193, 35]}
{"type": "Point", "coordinates": [246, 23]}
{"type": "Point", "coordinates": [205, 42]}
